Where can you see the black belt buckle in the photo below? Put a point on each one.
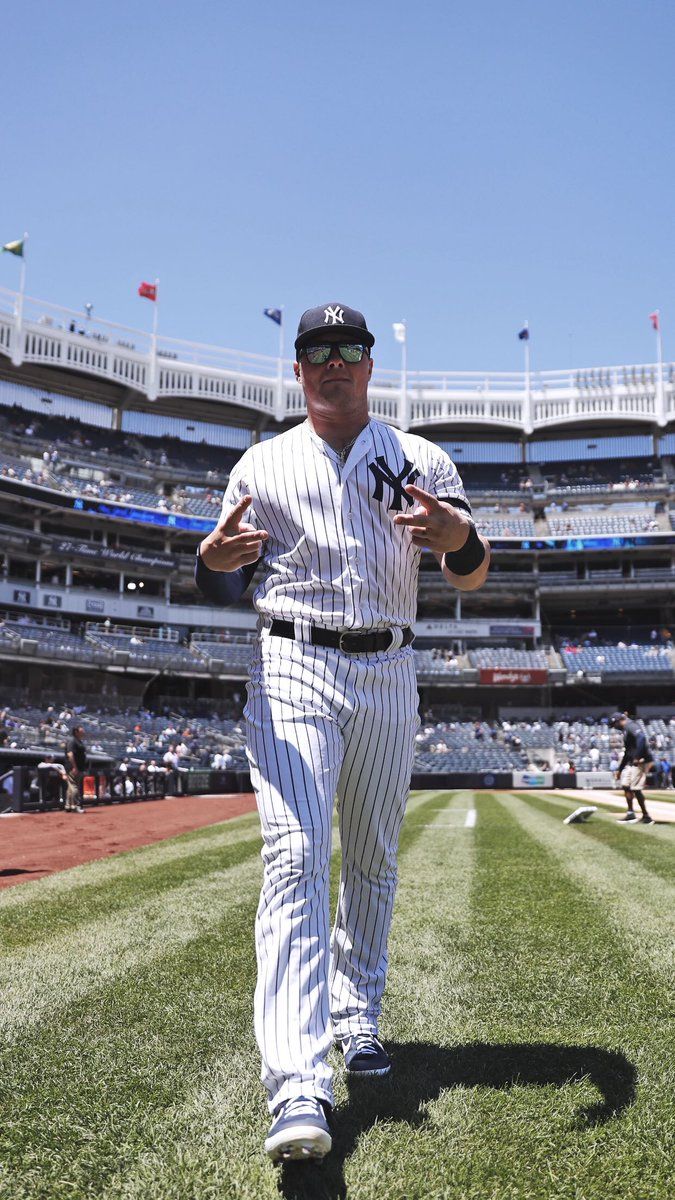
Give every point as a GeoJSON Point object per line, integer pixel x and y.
{"type": "Point", "coordinates": [343, 640]}
{"type": "Point", "coordinates": [364, 643]}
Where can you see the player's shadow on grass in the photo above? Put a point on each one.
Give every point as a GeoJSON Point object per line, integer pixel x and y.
{"type": "Point", "coordinates": [422, 1071]}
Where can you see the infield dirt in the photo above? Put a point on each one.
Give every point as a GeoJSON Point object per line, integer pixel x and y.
{"type": "Point", "coordinates": [37, 844]}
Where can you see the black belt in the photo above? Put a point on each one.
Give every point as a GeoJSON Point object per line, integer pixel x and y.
{"type": "Point", "coordinates": [350, 643]}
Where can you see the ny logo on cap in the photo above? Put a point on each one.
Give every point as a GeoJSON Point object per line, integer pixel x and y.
{"type": "Point", "coordinates": [334, 315]}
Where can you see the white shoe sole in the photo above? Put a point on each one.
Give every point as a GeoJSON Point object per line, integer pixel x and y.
{"type": "Point", "coordinates": [301, 1143]}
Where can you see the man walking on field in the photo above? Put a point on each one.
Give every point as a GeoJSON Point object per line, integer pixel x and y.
{"type": "Point", "coordinates": [340, 509]}
{"type": "Point", "coordinates": [634, 766]}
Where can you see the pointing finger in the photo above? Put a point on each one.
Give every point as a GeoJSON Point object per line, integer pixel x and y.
{"type": "Point", "coordinates": [229, 521]}
{"type": "Point", "coordinates": [425, 498]}
{"type": "Point", "coordinates": [238, 509]}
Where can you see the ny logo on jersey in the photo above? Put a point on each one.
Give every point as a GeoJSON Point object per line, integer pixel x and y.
{"type": "Point", "coordinates": [334, 315]}
{"type": "Point", "coordinates": [383, 473]}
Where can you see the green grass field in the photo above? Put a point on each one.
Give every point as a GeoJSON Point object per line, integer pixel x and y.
{"type": "Point", "coordinates": [529, 1011]}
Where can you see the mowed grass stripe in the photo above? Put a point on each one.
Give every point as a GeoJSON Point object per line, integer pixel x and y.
{"type": "Point", "coordinates": [652, 847]}
{"type": "Point", "coordinates": [640, 905]}
{"type": "Point", "coordinates": [35, 978]}
{"type": "Point", "coordinates": [93, 900]}
{"type": "Point", "coordinates": [439, 863]}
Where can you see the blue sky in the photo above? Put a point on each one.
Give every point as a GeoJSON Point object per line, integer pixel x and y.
{"type": "Point", "coordinates": [460, 166]}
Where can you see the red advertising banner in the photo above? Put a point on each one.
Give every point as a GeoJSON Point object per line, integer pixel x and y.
{"type": "Point", "coordinates": [511, 676]}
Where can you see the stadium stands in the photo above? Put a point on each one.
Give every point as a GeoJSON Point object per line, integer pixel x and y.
{"type": "Point", "coordinates": [603, 476]}
{"type": "Point", "coordinates": [618, 660]}
{"type": "Point", "coordinates": [504, 656]}
{"type": "Point", "coordinates": [513, 523]}
{"type": "Point", "coordinates": [588, 521]}
{"type": "Point", "coordinates": [145, 650]}
{"type": "Point", "coordinates": [437, 662]}
{"type": "Point", "coordinates": [76, 560]}
{"type": "Point", "coordinates": [441, 746]}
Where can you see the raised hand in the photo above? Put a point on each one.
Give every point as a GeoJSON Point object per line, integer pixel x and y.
{"type": "Point", "coordinates": [233, 543]}
{"type": "Point", "coordinates": [434, 525]}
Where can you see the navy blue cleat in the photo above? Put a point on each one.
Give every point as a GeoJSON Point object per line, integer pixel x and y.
{"type": "Point", "coordinates": [299, 1131]}
{"type": "Point", "coordinates": [364, 1055]}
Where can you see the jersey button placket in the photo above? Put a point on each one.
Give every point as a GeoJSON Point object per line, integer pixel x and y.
{"type": "Point", "coordinates": [351, 539]}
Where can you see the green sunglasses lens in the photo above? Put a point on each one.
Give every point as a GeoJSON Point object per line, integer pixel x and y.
{"type": "Point", "coordinates": [352, 354]}
{"type": "Point", "coordinates": [317, 354]}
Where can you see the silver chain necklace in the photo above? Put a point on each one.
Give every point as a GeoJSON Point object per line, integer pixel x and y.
{"type": "Point", "coordinates": [345, 452]}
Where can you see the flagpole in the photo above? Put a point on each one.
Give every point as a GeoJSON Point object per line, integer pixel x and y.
{"type": "Point", "coordinates": [17, 354]}
{"type": "Point", "coordinates": [152, 390]}
{"type": "Point", "coordinates": [405, 413]}
{"type": "Point", "coordinates": [22, 277]}
{"type": "Point", "coordinates": [528, 382]}
{"type": "Point", "coordinates": [280, 409]}
{"type": "Point", "coordinates": [660, 399]}
{"type": "Point", "coordinates": [400, 329]}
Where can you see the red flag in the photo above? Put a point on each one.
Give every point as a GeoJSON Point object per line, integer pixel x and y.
{"type": "Point", "coordinates": [148, 290]}
{"type": "Point", "coordinates": [654, 318]}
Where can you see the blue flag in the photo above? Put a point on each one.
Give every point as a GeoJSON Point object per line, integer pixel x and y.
{"type": "Point", "coordinates": [274, 314]}
{"type": "Point", "coordinates": [524, 334]}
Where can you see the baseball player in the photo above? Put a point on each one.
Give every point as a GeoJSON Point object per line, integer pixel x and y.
{"type": "Point", "coordinates": [340, 509]}
{"type": "Point", "coordinates": [634, 766]}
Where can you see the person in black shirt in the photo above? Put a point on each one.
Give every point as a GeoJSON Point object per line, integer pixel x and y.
{"type": "Point", "coordinates": [76, 765]}
{"type": "Point", "coordinates": [634, 766]}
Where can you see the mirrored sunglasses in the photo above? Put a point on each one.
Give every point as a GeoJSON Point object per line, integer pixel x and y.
{"type": "Point", "coordinates": [349, 353]}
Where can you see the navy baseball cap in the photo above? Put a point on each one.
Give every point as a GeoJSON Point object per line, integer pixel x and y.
{"type": "Point", "coordinates": [616, 717]}
{"type": "Point", "coordinates": [318, 321]}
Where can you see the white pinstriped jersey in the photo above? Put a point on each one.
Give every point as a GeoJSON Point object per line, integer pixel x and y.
{"type": "Point", "coordinates": [334, 556]}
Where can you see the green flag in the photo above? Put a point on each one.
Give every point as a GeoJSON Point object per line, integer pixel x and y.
{"type": "Point", "coordinates": [14, 248]}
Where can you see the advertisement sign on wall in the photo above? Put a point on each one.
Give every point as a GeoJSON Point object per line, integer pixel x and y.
{"type": "Point", "coordinates": [533, 779]}
{"type": "Point", "coordinates": [511, 676]}
{"type": "Point", "coordinates": [477, 628]}
{"type": "Point", "coordinates": [595, 779]}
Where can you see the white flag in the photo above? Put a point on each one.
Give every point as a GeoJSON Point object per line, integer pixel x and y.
{"type": "Point", "coordinates": [399, 330]}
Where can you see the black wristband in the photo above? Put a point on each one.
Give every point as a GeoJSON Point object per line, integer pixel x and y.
{"type": "Point", "coordinates": [469, 558]}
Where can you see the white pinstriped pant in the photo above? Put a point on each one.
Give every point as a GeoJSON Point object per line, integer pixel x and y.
{"type": "Point", "coordinates": [322, 723]}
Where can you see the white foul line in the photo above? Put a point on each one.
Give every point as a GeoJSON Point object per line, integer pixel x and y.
{"type": "Point", "coordinates": [470, 819]}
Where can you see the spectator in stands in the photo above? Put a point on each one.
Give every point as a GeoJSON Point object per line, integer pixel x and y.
{"type": "Point", "coordinates": [222, 761]}
{"type": "Point", "coordinates": [76, 759]}
{"type": "Point", "coordinates": [170, 758]}
{"type": "Point", "coordinates": [634, 766]}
